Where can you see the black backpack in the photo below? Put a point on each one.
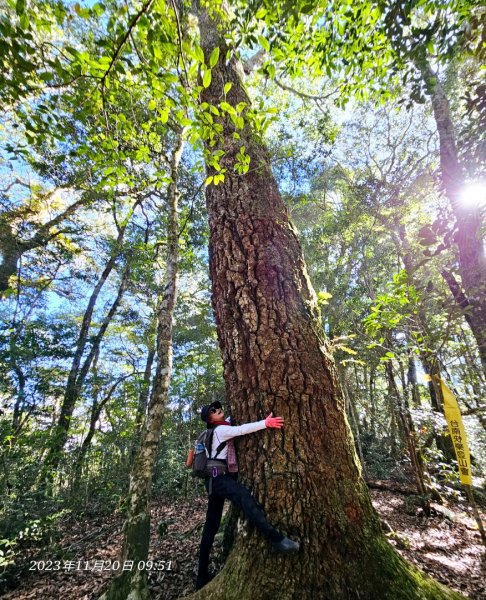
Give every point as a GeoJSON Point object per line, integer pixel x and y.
{"type": "Point", "coordinates": [202, 454]}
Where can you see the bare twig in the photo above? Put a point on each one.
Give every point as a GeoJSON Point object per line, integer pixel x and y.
{"type": "Point", "coordinates": [179, 37]}
{"type": "Point", "coordinates": [123, 40]}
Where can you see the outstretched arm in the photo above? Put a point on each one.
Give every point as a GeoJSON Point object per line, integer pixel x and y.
{"type": "Point", "coordinates": [225, 432]}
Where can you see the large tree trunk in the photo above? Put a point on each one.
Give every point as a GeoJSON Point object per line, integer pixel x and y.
{"type": "Point", "coordinates": [276, 359]}
{"type": "Point", "coordinates": [472, 261]}
{"type": "Point", "coordinates": [132, 584]}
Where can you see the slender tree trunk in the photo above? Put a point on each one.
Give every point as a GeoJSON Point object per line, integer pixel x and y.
{"type": "Point", "coordinates": [351, 411]}
{"type": "Point", "coordinates": [396, 435]}
{"type": "Point", "coordinates": [372, 396]}
{"type": "Point", "coordinates": [61, 430]}
{"type": "Point", "coordinates": [96, 411]}
{"type": "Point", "coordinates": [275, 358]}
{"type": "Point", "coordinates": [472, 261]}
{"type": "Point", "coordinates": [413, 382]}
{"type": "Point", "coordinates": [72, 381]}
{"type": "Point", "coordinates": [20, 400]}
{"type": "Point", "coordinates": [132, 584]}
{"type": "Point", "coordinates": [143, 400]}
{"type": "Point", "coordinates": [429, 363]}
{"type": "Point", "coordinates": [416, 458]}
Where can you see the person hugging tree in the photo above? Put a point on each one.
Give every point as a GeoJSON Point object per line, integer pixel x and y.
{"type": "Point", "coordinates": [222, 484]}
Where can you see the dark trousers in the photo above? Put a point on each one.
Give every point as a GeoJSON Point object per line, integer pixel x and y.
{"type": "Point", "coordinates": [226, 486]}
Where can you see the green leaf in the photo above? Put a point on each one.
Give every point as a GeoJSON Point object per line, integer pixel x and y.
{"type": "Point", "coordinates": [227, 107]}
{"type": "Point", "coordinates": [323, 297]}
{"type": "Point", "coordinates": [213, 59]}
{"type": "Point", "coordinates": [199, 54]}
{"type": "Point", "coordinates": [307, 8]}
{"type": "Point", "coordinates": [209, 180]}
{"type": "Point", "coordinates": [264, 43]}
{"type": "Point", "coordinates": [24, 21]}
{"type": "Point", "coordinates": [227, 87]}
{"type": "Point", "coordinates": [98, 9]}
{"type": "Point", "coordinates": [152, 105]}
{"type": "Point", "coordinates": [346, 349]}
{"type": "Point", "coordinates": [46, 76]}
{"type": "Point", "coordinates": [207, 79]}
{"type": "Point", "coordinates": [20, 7]}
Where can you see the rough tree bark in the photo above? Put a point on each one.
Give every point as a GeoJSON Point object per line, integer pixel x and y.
{"type": "Point", "coordinates": [275, 358]}
{"type": "Point", "coordinates": [132, 584]}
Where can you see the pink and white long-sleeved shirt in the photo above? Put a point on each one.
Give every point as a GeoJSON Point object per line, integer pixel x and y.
{"type": "Point", "coordinates": [223, 433]}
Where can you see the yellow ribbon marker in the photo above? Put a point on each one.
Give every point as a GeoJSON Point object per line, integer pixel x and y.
{"type": "Point", "coordinates": [456, 430]}
{"type": "Point", "coordinates": [457, 433]}
{"type": "Point", "coordinates": [459, 439]}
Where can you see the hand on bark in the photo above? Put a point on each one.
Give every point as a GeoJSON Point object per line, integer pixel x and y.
{"type": "Point", "coordinates": [274, 422]}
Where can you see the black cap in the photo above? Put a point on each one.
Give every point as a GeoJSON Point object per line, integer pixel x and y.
{"type": "Point", "coordinates": [205, 410]}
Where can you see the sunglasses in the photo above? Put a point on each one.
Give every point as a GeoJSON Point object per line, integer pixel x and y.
{"type": "Point", "coordinates": [213, 410]}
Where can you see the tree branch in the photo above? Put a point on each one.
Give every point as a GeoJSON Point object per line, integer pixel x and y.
{"type": "Point", "coordinates": [122, 42]}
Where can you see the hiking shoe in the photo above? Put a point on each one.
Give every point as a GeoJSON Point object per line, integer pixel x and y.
{"type": "Point", "coordinates": [205, 579]}
{"type": "Point", "coordinates": [286, 545]}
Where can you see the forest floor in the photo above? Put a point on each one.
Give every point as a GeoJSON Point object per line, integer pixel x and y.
{"type": "Point", "coordinates": [446, 545]}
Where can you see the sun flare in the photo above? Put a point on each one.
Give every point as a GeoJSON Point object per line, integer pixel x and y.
{"type": "Point", "coordinates": [474, 194]}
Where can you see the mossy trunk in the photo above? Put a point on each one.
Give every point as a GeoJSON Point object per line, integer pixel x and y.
{"type": "Point", "coordinates": [131, 584]}
{"type": "Point", "coordinates": [276, 358]}
{"type": "Point", "coordinates": [143, 397]}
